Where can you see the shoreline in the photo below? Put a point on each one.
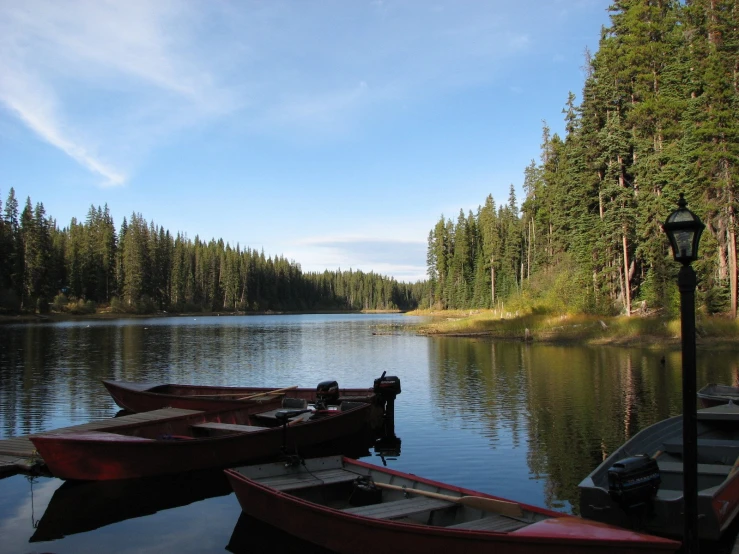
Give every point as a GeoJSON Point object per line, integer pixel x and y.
{"type": "Point", "coordinates": [57, 317]}
{"type": "Point", "coordinates": [513, 330]}
{"type": "Point", "coordinates": [655, 342]}
{"type": "Point", "coordinates": [659, 333]}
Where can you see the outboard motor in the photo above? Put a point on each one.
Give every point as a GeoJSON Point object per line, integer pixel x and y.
{"type": "Point", "coordinates": [387, 389]}
{"type": "Point", "coordinates": [634, 481]}
{"type": "Point", "coordinates": [327, 392]}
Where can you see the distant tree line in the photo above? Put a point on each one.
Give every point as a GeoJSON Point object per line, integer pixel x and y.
{"type": "Point", "coordinates": [659, 116]}
{"type": "Point", "coordinates": [143, 268]}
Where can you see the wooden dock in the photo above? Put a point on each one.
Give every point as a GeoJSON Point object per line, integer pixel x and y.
{"type": "Point", "coordinates": [17, 454]}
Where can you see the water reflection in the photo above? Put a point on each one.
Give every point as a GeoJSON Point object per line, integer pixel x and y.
{"type": "Point", "coordinates": [568, 407]}
{"type": "Point", "coordinates": [252, 536]}
{"type": "Point", "coordinates": [78, 507]}
{"type": "Point", "coordinates": [522, 421]}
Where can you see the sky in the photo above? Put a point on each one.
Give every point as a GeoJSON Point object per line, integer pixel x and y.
{"type": "Point", "coordinates": [333, 133]}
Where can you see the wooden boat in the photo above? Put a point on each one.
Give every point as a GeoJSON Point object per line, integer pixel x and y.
{"type": "Point", "coordinates": [196, 440]}
{"type": "Point", "coordinates": [348, 506]}
{"type": "Point", "coordinates": [144, 397]}
{"type": "Point", "coordinates": [640, 485]}
{"type": "Point", "coordinates": [715, 395]}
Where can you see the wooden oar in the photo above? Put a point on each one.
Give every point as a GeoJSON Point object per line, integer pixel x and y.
{"type": "Point", "coordinates": [503, 507]}
{"type": "Point", "coordinates": [268, 392]}
{"type": "Point", "coordinates": [735, 466]}
{"type": "Point", "coordinates": [219, 395]}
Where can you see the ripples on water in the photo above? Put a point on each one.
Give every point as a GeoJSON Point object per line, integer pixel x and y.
{"type": "Point", "coordinates": [521, 421]}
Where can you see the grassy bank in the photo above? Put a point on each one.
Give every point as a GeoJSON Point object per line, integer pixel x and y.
{"type": "Point", "coordinates": [582, 329]}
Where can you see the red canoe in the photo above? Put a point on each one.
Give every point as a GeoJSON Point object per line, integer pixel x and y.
{"type": "Point", "coordinates": [352, 507]}
{"type": "Point", "coordinates": [198, 440]}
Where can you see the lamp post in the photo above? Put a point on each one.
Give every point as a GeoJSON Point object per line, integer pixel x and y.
{"type": "Point", "coordinates": [684, 230]}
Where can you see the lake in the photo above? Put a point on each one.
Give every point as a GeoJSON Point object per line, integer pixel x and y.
{"type": "Point", "coordinates": [524, 421]}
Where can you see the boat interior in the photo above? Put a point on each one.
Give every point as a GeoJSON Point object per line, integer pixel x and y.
{"type": "Point", "coordinates": [362, 491]}
{"type": "Point", "coordinates": [718, 452]}
{"type": "Point", "coordinates": [201, 425]}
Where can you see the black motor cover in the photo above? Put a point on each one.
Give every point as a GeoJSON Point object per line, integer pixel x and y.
{"type": "Point", "coordinates": [633, 480]}
{"type": "Point", "coordinates": [327, 392]}
{"type": "Point", "coordinates": [387, 387]}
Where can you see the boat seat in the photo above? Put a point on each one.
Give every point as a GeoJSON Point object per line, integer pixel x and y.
{"type": "Point", "coordinates": [400, 508]}
{"type": "Point", "coordinates": [305, 480]}
{"type": "Point", "coordinates": [703, 469]}
{"type": "Point", "coordinates": [670, 494]}
{"type": "Point", "coordinates": [349, 405]}
{"type": "Point", "coordinates": [294, 403]}
{"type": "Point", "coordinates": [717, 451]}
{"type": "Point", "coordinates": [213, 428]}
{"type": "Point", "coordinates": [272, 415]}
{"type": "Point", "coordinates": [495, 522]}
{"type": "Point", "coordinates": [726, 412]}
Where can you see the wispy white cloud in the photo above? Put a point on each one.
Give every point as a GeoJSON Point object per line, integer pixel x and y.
{"type": "Point", "coordinates": [76, 72]}
{"type": "Point", "coordinates": [110, 80]}
{"type": "Point", "coordinates": [36, 107]}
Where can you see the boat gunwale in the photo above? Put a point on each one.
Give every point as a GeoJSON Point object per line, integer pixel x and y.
{"type": "Point", "coordinates": [75, 436]}
{"type": "Point", "coordinates": [451, 532]}
{"type": "Point", "coordinates": [147, 388]}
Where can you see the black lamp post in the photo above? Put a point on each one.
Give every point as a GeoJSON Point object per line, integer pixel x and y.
{"type": "Point", "coordinates": [684, 229]}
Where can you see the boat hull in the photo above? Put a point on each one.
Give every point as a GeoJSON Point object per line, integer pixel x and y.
{"type": "Point", "coordinates": [718, 481]}
{"type": "Point", "coordinates": [349, 533]}
{"type": "Point", "coordinates": [716, 395]}
{"type": "Point", "coordinates": [145, 397]}
{"type": "Point", "coordinates": [126, 454]}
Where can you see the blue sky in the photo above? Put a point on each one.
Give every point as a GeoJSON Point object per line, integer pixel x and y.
{"type": "Point", "coordinates": [333, 133]}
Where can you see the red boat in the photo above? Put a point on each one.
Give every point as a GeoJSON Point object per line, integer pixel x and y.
{"type": "Point", "coordinates": [198, 440]}
{"type": "Point", "coordinates": [352, 507]}
{"type": "Point", "coordinates": [144, 397]}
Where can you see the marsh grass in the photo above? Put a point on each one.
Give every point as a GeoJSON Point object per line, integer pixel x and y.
{"type": "Point", "coordinates": [586, 329]}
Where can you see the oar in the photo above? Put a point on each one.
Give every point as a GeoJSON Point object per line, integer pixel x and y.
{"type": "Point", "coordinates": [238, 393]}
{"type": "Point", "coordinates": [735, 467]}
{"type": "Point", "coordinates": [503, 507]}
{"type": "Point", "coordinates": [268, 392]}
{"type": "Point", "coordinates": [215, 394]}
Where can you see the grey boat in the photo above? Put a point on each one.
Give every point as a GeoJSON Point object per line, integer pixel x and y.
{"type": "Point", "coordinates": [715, 395]}
{"type": "Point", "coordinates": [640, 485]}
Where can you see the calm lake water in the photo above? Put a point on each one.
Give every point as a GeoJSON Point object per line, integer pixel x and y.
{"type": "Point", "coordinates": [524, 421]}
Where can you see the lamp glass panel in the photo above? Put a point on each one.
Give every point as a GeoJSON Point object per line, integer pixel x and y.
{"type": "Point", "coordinates": [680, 216]}
{"type": "Point", "coordinates": [684, 242]}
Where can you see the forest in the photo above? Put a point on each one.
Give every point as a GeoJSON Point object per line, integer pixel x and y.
{"type": "Point", "coordinates": [659, 116]}
{"type": "Point", "coordinates": [143, 268]}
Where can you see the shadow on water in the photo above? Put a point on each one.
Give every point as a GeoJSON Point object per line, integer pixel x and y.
{"type": "Point", "coordinates": [252, 536]}
{"type": "Point", "coordinates": [81, 506]}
